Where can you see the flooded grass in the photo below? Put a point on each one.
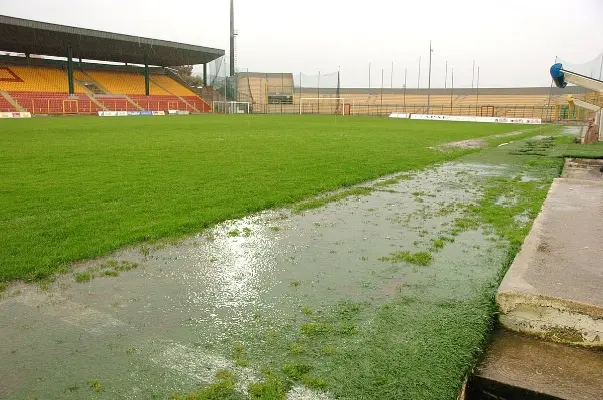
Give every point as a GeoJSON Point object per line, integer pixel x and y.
{"type": "Point", "coordinates": [96, 386]}
{"type": "Point", "coordinates": [110, 268]}
{"type": "Point", "coordinates": [82, 277]}
{"type": "Point", "coordinates": [274, 314]}
{"type": "Point", "coordinates": [223, 388]}
{"type": "Point", "coordinates": [123, 182]}
{"type": "Point", "coordinates": [419, 258]}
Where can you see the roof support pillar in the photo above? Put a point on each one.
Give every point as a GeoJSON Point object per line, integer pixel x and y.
{"type": "Point", "coordinates": [204, 74]}
{"type": "Point", "coordinates": [147, 79]}
{"type": "Point", "coordinates": [70, 69]}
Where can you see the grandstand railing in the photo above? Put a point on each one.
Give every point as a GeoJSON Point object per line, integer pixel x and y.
{"type": "Point", "coordinates": [58, 106]}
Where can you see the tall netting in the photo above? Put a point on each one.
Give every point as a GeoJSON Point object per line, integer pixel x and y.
{"type": "Point", "coordinates": [282, 93]}
{"type": "Point", "coordinates": [319, 94]}
{"type": "Point", "coordinates": [326, 93]}
{"type": "Point", "coordinates": [221, 86]}
{"type": "Point", "coordinates": [592, 69]}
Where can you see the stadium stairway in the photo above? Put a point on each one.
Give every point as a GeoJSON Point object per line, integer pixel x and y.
{"type": "Point", "coordinates": [8, 104]}
{"type": "Point", "coordinates": [171, 86]}
{"type": "Point", "coordinates": [95, 100]}
{"type": "Point", "coordinates": [115, 102]}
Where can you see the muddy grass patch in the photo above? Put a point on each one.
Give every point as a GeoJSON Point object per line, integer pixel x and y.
{"type": "Point", "coordinates": [110, 268]}
{"type": "Point", "coordinates": [322, 201]}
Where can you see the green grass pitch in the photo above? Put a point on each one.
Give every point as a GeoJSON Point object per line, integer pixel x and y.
{"type": "Point", "coordinates": [78, 188]}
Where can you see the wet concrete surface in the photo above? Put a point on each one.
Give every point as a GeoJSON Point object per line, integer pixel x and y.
{"type": "Point", "coordinates": [162, 327]}
{"type": "Point", "coordinates": [553, 288]}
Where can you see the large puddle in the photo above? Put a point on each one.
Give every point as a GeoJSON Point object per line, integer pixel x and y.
{"type": "Point", "coordinates": [163, 327]}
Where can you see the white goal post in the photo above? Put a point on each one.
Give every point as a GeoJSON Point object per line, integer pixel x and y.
{"type": "Point", "coordinates": [231, 107]}
{"type": "Point", "coordinates": [339, 102]}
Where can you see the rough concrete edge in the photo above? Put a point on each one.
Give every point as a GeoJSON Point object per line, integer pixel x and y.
{"type": "Point", "coordinates": [510, 301]}
{"type": "Point", "coordinates": [555, 325]}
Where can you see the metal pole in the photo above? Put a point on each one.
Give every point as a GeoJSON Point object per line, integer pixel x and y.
{"type": "Point", "coordinates": [551, 88]}
{"type": "Point", "coordinates": [391, 80]}
{"type": "Point", "coordinates": [225, 82]}
{"type": "Point", "coordinates": [300, 92]}
{"type": "Point", "coordinates": [318, 105]}
{"type": "Point", "coordinates": [147, 79]}
{"type": "Point", "coordinates": [70, 70]}
{"type": "Point", "coordinates": [382, 70]}
{"type": "Point", "coordinates": [232, 39]}
{"type": "Point", "coordinates": [473, 75]}
{"type": "Point", "coordinates": [477, 99]}
{"type": "Point", "coordinates": [405, 73]}
{"type": "Point", "coordinates": [451, 90]}
{"type": "Point", "coordinates": [339, 103]}
{"type": "Point", "coordinates": [446, 76]}
{"type": "Point", "coordinates": [429, 79]}
{"type": "Point", "coordinates": [419, 77]}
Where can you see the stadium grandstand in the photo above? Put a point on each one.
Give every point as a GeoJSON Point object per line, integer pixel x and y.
{"type": "Point", "coordinates": [47, 69]}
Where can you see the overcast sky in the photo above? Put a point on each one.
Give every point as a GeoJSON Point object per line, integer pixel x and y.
{"type": "Point", "coordinates": [513, 42]}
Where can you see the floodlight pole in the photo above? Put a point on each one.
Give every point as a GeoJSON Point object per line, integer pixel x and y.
{"type": "Point", "coordinates": [232, 39]}
{"type": "Point", "coordinates": [225, 83]}
{"type": "Point", "coordinates": [429, 79]}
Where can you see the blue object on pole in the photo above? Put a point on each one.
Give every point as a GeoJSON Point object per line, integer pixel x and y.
{"type": "Point", "coordinates": [558, 75]}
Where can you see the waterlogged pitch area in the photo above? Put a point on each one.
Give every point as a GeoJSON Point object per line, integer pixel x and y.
{"type": "Point", "coordinates": [381, 289]}
{"type": "Point", "coordinates": [73, 189]}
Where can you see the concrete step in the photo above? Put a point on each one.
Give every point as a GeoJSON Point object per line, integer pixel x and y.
{"type": "Point", "coordinates": [554, 288]}
{"type": "Point", "coordinates": [518, 366]}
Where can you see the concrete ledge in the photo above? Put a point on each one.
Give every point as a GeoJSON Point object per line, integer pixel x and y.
{"type": "Point", "coordinates": [554, 288]}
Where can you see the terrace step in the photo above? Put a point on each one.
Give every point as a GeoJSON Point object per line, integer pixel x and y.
{"type": "Point", "coordinates": [518, 366]}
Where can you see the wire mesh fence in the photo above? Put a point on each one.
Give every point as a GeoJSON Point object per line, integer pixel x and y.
{"type": "Point", "coordinates": [322, 93]}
